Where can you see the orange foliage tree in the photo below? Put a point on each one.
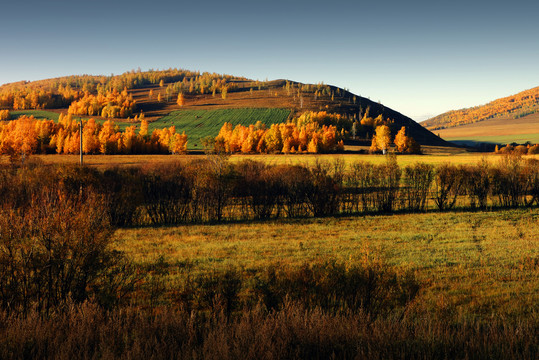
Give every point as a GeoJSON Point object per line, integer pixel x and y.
{"type": "Point", "coordinates": [4, 115]}
{"type": "Point", "coordinates": [180, 100]}
{"type": "Point", "coordinates": [406, 144]}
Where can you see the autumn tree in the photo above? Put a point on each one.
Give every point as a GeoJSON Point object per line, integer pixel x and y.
{"type": "Point", "coordinates": [406, 144]}
{"type": "Point", "coordinates": [143, 127]}
{"type": "Point", "coordinates": [4, 115]}
{"type": "Point", "coordinates": [382, 139]}
{"type": "Point", "coordinates": [180, 100]}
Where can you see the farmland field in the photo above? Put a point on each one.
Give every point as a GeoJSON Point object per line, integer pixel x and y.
{"type": "Point", "coordinates": [471, 264]}
{"type": "Point", "coordinates": [198, 124]}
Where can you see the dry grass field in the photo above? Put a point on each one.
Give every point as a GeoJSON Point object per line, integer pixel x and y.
{"type": "Point", "coordinates": [471, 264]}
{"type": "Point", "coordinates": [433, 155]}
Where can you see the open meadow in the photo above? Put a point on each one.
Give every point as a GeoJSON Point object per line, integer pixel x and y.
{"type": "Point", "coordinates": [471, 265]}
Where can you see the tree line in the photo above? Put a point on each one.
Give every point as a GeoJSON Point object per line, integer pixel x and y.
{"type": "Point", "coordinates": [27, 135]}
{"type": "Point", "coordinates": [285, 137]}
{"type": "Point", "coordinates": [214, 189]}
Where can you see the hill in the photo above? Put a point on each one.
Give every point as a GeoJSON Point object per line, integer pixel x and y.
{"type": "Point", "coordinates": [501, 130]}
{"type": "Point", "coordinates": [508, 108]}
{"type": "Point", "coordinates": [155, 93]}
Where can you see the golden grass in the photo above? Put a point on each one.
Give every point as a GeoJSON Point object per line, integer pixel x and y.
{"type": "Point", "coordinates": [474, 264]}
{"type": "Point", "coordinates": [437, 157]}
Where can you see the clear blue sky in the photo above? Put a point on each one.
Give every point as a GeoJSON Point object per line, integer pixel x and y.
{"type": "Point", "coordinates": [418, 57]}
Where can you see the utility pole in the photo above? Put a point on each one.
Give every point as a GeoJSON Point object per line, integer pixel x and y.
{"type": "Point", "coordinates": [80, 130]}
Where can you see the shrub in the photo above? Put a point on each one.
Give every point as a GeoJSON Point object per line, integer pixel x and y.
{"type": "Point", "coordinates": [417, 181]}
{"type": "Point", "coordinates": [324, 195]}
{"type": "Point", "coordinates": [296, 182]}
{"type": "Point", "coordinates": [533, 150]}
{"type": "Point", "coordinates": [387, 181]}
{"type": "Point", "coordinates": [52, 252]}
{"type": "Point", "coordinates": [448, 181]}
{"type": "Point", "coordinates": [167, 194]}
{"type": "Point", "coordinates": [261, 186]}
{"type": "Point", "coordinates": [477, 183]}
{"type": "Point", "coordinates": [508, 181]}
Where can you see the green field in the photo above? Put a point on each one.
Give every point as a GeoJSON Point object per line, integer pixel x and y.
{"type": "Point", "coordinates": [198, 124]}
{"type": "Point", "coordinates": [38, 114]}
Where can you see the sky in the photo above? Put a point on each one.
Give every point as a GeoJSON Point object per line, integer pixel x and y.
{"type": "Point", "coordinates": [420, 58]}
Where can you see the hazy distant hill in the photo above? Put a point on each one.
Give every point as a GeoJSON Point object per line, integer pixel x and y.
{"type": "Point", "coordinates": [511, 107]}
{"type": "Point", "coordinates": [156, 92]}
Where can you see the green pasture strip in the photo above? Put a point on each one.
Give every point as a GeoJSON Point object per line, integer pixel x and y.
{"type": "Point", "coordinates": [38, 114]}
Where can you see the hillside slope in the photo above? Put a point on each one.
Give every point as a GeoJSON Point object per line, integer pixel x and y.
{"type": "Point", "coordinates": [509, 108]}
{"type": "Point", "coordinates": [501, 130]}
{"type": "Point", "coordinates": [155, 93]}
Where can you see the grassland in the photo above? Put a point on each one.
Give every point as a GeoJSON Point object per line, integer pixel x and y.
{"type": "Point", "coordinates": [437, 157]}
{"type": "Point", "coordinates": [476, 265]}
{"type": "Point", "coordinates": [198, 124]}
{"type": "Point", "coordinates": [38, 114]}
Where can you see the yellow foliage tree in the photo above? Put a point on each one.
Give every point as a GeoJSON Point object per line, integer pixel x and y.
{"type": "Point", "coordinates": [181, 100]}
{"type": "Point", "coordinates": [382, 139]}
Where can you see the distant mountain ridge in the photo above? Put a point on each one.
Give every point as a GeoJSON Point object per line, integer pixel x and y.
{"type": "Point", "coordinates": [514, 106]}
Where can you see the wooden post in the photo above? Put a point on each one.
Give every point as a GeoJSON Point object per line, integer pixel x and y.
{"type": "Point", "coordinates": [80, 130]}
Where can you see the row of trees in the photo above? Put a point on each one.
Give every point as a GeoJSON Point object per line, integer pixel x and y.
{"type": "Point", "coordinates": [285, 138]}
{"type": "Point", "coordinates": [27, 135]}
{"type": "Point", "coordinates": [213, 189]}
